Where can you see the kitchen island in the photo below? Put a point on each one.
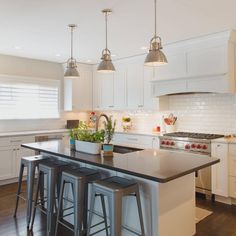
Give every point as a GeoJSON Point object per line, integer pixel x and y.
{"type": "Point", "coordinates": [166, 178]}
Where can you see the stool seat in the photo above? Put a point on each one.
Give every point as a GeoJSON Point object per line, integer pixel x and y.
{"type": "Point", "coordinates": [115, 183]}
{"type": "Point", "coordinates": [31, 159]}
{"type": "Point", "coordinates": [79, 173]}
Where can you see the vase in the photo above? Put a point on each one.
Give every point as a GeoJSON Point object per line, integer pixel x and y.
{"type": "Point", "coordinates": [88, 147]}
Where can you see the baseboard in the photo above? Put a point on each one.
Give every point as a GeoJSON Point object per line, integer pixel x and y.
{"type": "Point", "coordinates": [10, 181]}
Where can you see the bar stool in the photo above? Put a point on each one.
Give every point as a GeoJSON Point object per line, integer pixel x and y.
{"type": "Point", "coordinates": [114, 188]}
{"type": "Point", "coordinates": [79, 180]}
{"type": "Point", "coordinates": [31, 163]}
{"type": "Point", "coordinates": [52, 170]}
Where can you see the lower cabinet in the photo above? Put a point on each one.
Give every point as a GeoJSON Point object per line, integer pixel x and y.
{"type": "Point", "coordinates": [220, 173]}
{"type": "Point", "coordinates": [10, 155]}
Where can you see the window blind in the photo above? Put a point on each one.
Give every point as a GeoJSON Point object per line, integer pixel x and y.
{"type": "Point", "coordinates": [20, 99]}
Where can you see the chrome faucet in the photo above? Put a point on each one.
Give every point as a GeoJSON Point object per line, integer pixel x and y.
{"type": "Point", "coordinates": [98, 119]}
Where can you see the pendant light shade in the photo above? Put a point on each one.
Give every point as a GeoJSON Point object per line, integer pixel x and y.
{"type": "Point", "coordinates": [106, 65]}
{"type": "Point", "coordinates": [155, 57]}
{"type": "Point", "coordinates": [71, 68]}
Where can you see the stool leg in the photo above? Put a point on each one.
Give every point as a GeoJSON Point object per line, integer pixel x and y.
{"type": "Point", "coordinates": [85, 216]}
{"type": "Point", "coordinates": [19, 188]}
{"type": "Point", "coordinates": [59, 211]}
{"type": "Point", "coordinates": [36, 198]}
{"type": "Point", "coordinates": [30, 186]}
{"type": "Point", "coordinates": [91, 209]}
{"type": "Point", "coordinates": [50, 201]}
{"type": "Point", "coordinates": [104, 213]}
{"type": "Point", "coordinates": [140, 211]}
{"type": "Point", "coordinates": [79, 207]}
{"type": "Point", "coordinates": [115, 206]}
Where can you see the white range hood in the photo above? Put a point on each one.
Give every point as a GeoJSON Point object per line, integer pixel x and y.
{"type": "Point", "coordinates": [200, 65]}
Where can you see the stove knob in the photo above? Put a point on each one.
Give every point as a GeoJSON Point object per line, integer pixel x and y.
{"type": "Point", "coordinates": [187, 146]}
{"type": "Point", "coordinates": [167, 143]}
{"type": "Point", "coordinates": [193, 145]}
{"type": "Point", "coordinates": [163, 142]}
{"type": "Point", "coordinates": [199, 146]}
{"type": "Point", "coordinates": [172, 143]}
{"type": "Point", "coordinates": [204, 147]}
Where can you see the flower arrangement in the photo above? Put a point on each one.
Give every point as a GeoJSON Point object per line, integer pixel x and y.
{"type": "Point", "coordinates": [126, 123]}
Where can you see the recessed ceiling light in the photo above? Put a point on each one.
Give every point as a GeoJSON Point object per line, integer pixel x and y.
{"type": "Point", "coordinates": [17, 47]}
{"type": "Point", "coordinates": [144, 48]}
{"type": "Point", "coordinates": [58, 55]}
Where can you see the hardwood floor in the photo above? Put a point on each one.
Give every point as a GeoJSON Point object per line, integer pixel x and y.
{"type": "Point", "coordinates": [221, 223]}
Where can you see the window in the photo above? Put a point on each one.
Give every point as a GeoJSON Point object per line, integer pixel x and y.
{"type": "Point", "coordinates": [33, 98]}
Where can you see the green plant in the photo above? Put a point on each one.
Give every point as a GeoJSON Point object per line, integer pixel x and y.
{"type": "Point", "coordinates": [109, 129]}
{"type": "Point", "coordinates": [73, 133]}
{"type": "Point", "coordinates": [86, 135]}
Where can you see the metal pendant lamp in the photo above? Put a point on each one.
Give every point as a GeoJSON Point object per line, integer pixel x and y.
{"type": "Point", "coordinates": [71, 69]}
{"type": "Point", "coordinates": [106, 65]}
{"type": "Point", "coordinates": [155, 57]}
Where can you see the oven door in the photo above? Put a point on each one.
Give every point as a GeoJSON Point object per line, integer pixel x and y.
{"type": "Point", "coordinates": [203, 181]}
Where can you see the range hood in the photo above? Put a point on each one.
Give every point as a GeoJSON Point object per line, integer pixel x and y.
{"type": "Point", "coordinates": [205, 64]}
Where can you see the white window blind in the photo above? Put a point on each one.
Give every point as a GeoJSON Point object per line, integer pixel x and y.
{"type": "Point", "coordinates": [23, 99]}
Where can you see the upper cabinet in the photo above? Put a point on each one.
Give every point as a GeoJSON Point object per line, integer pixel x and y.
{"type": "Point", "coordinates": [78, 91]}
{"type": "Point", "coordinates": [127, 88]}
{"type": "Point", "coordinates": [204, 64]}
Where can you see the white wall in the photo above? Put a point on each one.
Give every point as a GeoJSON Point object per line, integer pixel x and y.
{"type": "Point", "coordinates": [11, 65]}
{"type": "Point", "coordinates": [208, 113]}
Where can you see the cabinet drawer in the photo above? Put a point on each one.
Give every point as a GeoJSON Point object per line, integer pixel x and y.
{"type": "Point", "coordinates": [17, 141]}
{"type": "Point", "coordinates": [232, 187]}
{"type": "Point", "coordinates": [138, 141]}
{"type": "Point", "coordinates": [5, 142]}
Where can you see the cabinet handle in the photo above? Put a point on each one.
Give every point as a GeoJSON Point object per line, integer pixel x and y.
{"type": "Point", "coordinates": [110, 106]}
{"type": "Point", "coordinates": [218, 145]}
{"type": "Point", "coordinates": [140, 105]}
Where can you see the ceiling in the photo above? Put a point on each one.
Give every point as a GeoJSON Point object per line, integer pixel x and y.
{"type": "Point", "coordinates": [38, 29]}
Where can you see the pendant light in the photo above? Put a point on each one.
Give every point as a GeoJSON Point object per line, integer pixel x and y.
{"type": "Point", "coordinates": [106, 65]}
{"type": "Point", "coordinates": [71, 70]}
{"type": "Point", "coordinates": [155, 57]}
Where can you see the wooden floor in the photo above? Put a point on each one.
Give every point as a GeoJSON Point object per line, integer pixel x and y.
{"type": "Point", "coordinates": [221, 223]}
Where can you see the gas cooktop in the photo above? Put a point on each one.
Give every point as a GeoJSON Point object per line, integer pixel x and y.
{"type": "Point", "coordinates": [194, 135]}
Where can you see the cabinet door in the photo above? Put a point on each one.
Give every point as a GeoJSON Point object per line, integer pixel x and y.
{"type": "Point", "coordinates": [120, 90]}
{"type": "Point", "coordinates": [135, 71]}
{"type": "Point", "coordinates": [155, 143]}
{"type": "Point", "coordinates": [150, 102]}
{"type": "Point", "coordinates": [96, 89]}
{"type": "Point", "coordinates": [107, 91]}
{"type": "Point", "coordinates": [220, 170]}
{"type": "Point", "coordinates": [78, 92]}
{"type": "Point", "coordinates": [6, 163]}
{"type": "Point", "coordinates": [232, 160]}
{"type": "Point", "coordinates": [207, 61]}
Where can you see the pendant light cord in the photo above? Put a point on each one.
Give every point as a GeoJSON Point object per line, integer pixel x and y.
{"type": "Point", "coordinates": [71, 49]}
{"type": "Point", "coordinates": [106, 28]}
{"type": "Point", "coordinates": [155, 3]}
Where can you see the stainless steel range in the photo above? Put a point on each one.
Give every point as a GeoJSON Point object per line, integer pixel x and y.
{"type": "Point", "coordinates": [198, 143]}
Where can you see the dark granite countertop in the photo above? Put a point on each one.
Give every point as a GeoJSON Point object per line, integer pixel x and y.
{"type": "Point", "coordinates": [156, 165]}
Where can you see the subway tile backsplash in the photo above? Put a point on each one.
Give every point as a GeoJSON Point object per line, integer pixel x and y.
{"type": "Point", "coordinates": [207, 113]}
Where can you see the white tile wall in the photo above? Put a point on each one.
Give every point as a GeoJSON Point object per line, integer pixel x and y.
{"type": "Point", "coordinates": [207, 113]}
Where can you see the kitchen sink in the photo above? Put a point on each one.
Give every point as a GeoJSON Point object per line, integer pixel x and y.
{"type": "Point", "coordinates": [124, 149]}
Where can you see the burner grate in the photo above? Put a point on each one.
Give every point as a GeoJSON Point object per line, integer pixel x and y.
{"type": "Point", "coordinates": [194, 135]}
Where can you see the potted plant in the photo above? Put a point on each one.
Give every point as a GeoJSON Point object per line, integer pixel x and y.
{"type": "Point", "coordinates": [88, 141]}
{"type": "Point", "coordinates": [109, 129]}
{"type": "Point", "coordinates": [73, 134]}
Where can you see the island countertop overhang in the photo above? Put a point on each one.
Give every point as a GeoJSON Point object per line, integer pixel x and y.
{"type": "Point", "coordinates": [157, 165]}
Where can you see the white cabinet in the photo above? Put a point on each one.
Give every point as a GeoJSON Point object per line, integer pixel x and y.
{"type": "Point", "coordinates": [220, 170]}
{"type": "Point", "coordinates": [232, 170]}
{"type": "Point", "coordinates": [6, 163]}
{"type": "Point", "coordinates": [203, 64]}
{"type": "Point", "coordinates": [78, 91]}
{"type": "Point", "coordinates": [11, 153]}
